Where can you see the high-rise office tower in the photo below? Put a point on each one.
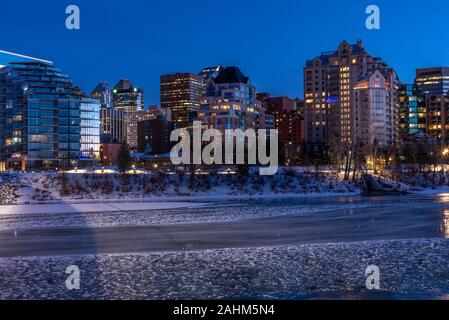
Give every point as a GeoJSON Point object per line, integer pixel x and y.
{"type": "Point", "coordinates": [181, 93]}
{"type": "Point", "coordinates": [432, 81]}
{"type": "Point", "coordinates": [432, 85]}
{"type": "Point", "coordinates": [130, 100]}
{"type": "Point", "coordinates": [40, 123]}
{"type": "Point", "coordinates": [112, 125]}
{"type": "Point", "coordinates": [111, 120]}
{"type": "Point", "coordinates": [332, 81]}
{"type": "Point", "coordinates": [127, 97]}
{"type": "Point", "coordinates": [89, 132]}
{"type": "Point", "coordinates": [413, 115]}
{"type": "Point", "coordinates": [103, 92]}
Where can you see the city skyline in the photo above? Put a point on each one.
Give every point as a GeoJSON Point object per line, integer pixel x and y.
{"type": "Point", "coordinates": [274, 56]}
{"type": "Point", "coordinates": [227, 155]}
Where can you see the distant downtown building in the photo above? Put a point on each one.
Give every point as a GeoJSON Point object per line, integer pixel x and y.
{"type": "Point", "coordinates": [111, 120]}
{"type": "Point", "coordinates": [287, 117]}
{"type": "Point", "coordinates": [432, 85]}
{"type": "Point", "coordinates": [154, 135]}
{"type": "Point", "coordinates": [130, 100]}
{"type": "Point", "coordinates": [210, 73]}
{"type": "Point", "coordinates": [181, 93]}
{"type": "Point", "coordinates": [337, 84]}
{"type": "Point", "coordinates": [127, 97]}
{"type": "Point", "coordinates": [230, 102]}
{"type": "Point", "coordinates": [44, 118]}
{"type": "Point", "coordinates": [132, 119]}
{"type": "Point", "coordinates": [112, 127]}
{"type": "Point", "coordinates": [289, 121]}
{"type": "Point", "coordinates": [432, 81]}
{"type": "Point", "coordinates": [103, 92]}
{"type": "Point", "coordinates": [413, 113]}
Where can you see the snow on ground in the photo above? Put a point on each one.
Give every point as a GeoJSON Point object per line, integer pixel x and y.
{"type": "Point", "coordinates": [408, 267]}
{"type": "Point", "coordinates": [92, 207]}
{"type": "Point", "coordinates": [7, 193]}
{"type": "Point", "coordinates": [55, 188]}
{"type": "Point", "coordinates": [433, 191]}
{"type": "Point", "coordinates": [428, 182]}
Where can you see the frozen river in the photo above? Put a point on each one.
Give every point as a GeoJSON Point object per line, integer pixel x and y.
{"type": "Point", "coordinates": [232, 224]}
{"type": "Point", "coordinates": [261, 249]}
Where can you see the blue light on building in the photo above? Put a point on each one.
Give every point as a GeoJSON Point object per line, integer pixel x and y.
{"type": "Point", "coordinates": [39, 114]}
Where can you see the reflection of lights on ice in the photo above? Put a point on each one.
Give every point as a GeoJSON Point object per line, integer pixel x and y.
{"type": "Point", "coordinates": [446, 224]}
{"type": "Point", "coordinates": [443, 197]}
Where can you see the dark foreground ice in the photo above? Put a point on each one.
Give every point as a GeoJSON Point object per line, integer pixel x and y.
{"type": "Point", "coordinates": [409, 269]}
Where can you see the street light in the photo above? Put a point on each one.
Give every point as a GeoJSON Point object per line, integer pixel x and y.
{"type": "Point", "coordinates": [445, 154]}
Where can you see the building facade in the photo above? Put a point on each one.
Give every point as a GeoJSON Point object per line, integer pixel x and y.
{"type": "Point", "coordinates": [109, 153]}
{"type": "Point", "coordinates": [132, 120]}
{"type": "Point", "coordinates": [40, 115]}
{"type": "Point", "coordinates": [112, 128]}
{"type": "Point", "coordinates": [413, 113]}
{"type": "Point", "coordinates": [287, 118]}
{"type": "Point", "coordinates": [130, 100]}
{"type": "Point", "coordinates": [181, 93]}
{"type": "Point", "coordinates": [432, 81]}
{"type": "Point", "coordinates": [230, 102]}
{"type": "Point", "coordinates": [210, 73]}
{"type": "Point", "coordinates": [154, 135]}
{"type": "Point", "coordinates": [437, 106]}
{"type": "Point", "coordinates": [89, 132]}
{"type": "Point", "coordinates": [330, 87]}
{"type": "Point", "coordinates": [127, 97]}
{"type": "Point", "coordinates": [373, 126]}
{"type": "Point", "coordinates": [103, 92]}
{"type": "Point", "coordinates": [112, 125]}
{"type": "Point", "coordinates": [432, 85]}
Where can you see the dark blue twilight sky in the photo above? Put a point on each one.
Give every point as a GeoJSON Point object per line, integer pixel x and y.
{"type": "Point", "coordinates": [268, 39]}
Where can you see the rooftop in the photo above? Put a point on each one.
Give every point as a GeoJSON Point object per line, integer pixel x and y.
{"type": "Point", "coordinates": [231, 75]}
{"type": "Point", "coordinates": [10, 57]}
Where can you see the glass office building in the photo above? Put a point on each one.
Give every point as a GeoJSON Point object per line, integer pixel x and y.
{"type": "Point", "coordinates": [412, 111]}
{"type": "Point", "coordinates": [89, 132]}
{"type": "Point", "coordinates": [40, 119]}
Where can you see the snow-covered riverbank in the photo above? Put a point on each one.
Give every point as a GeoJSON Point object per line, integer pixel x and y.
{"type": "Point", "coordinates": [33, 188]}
